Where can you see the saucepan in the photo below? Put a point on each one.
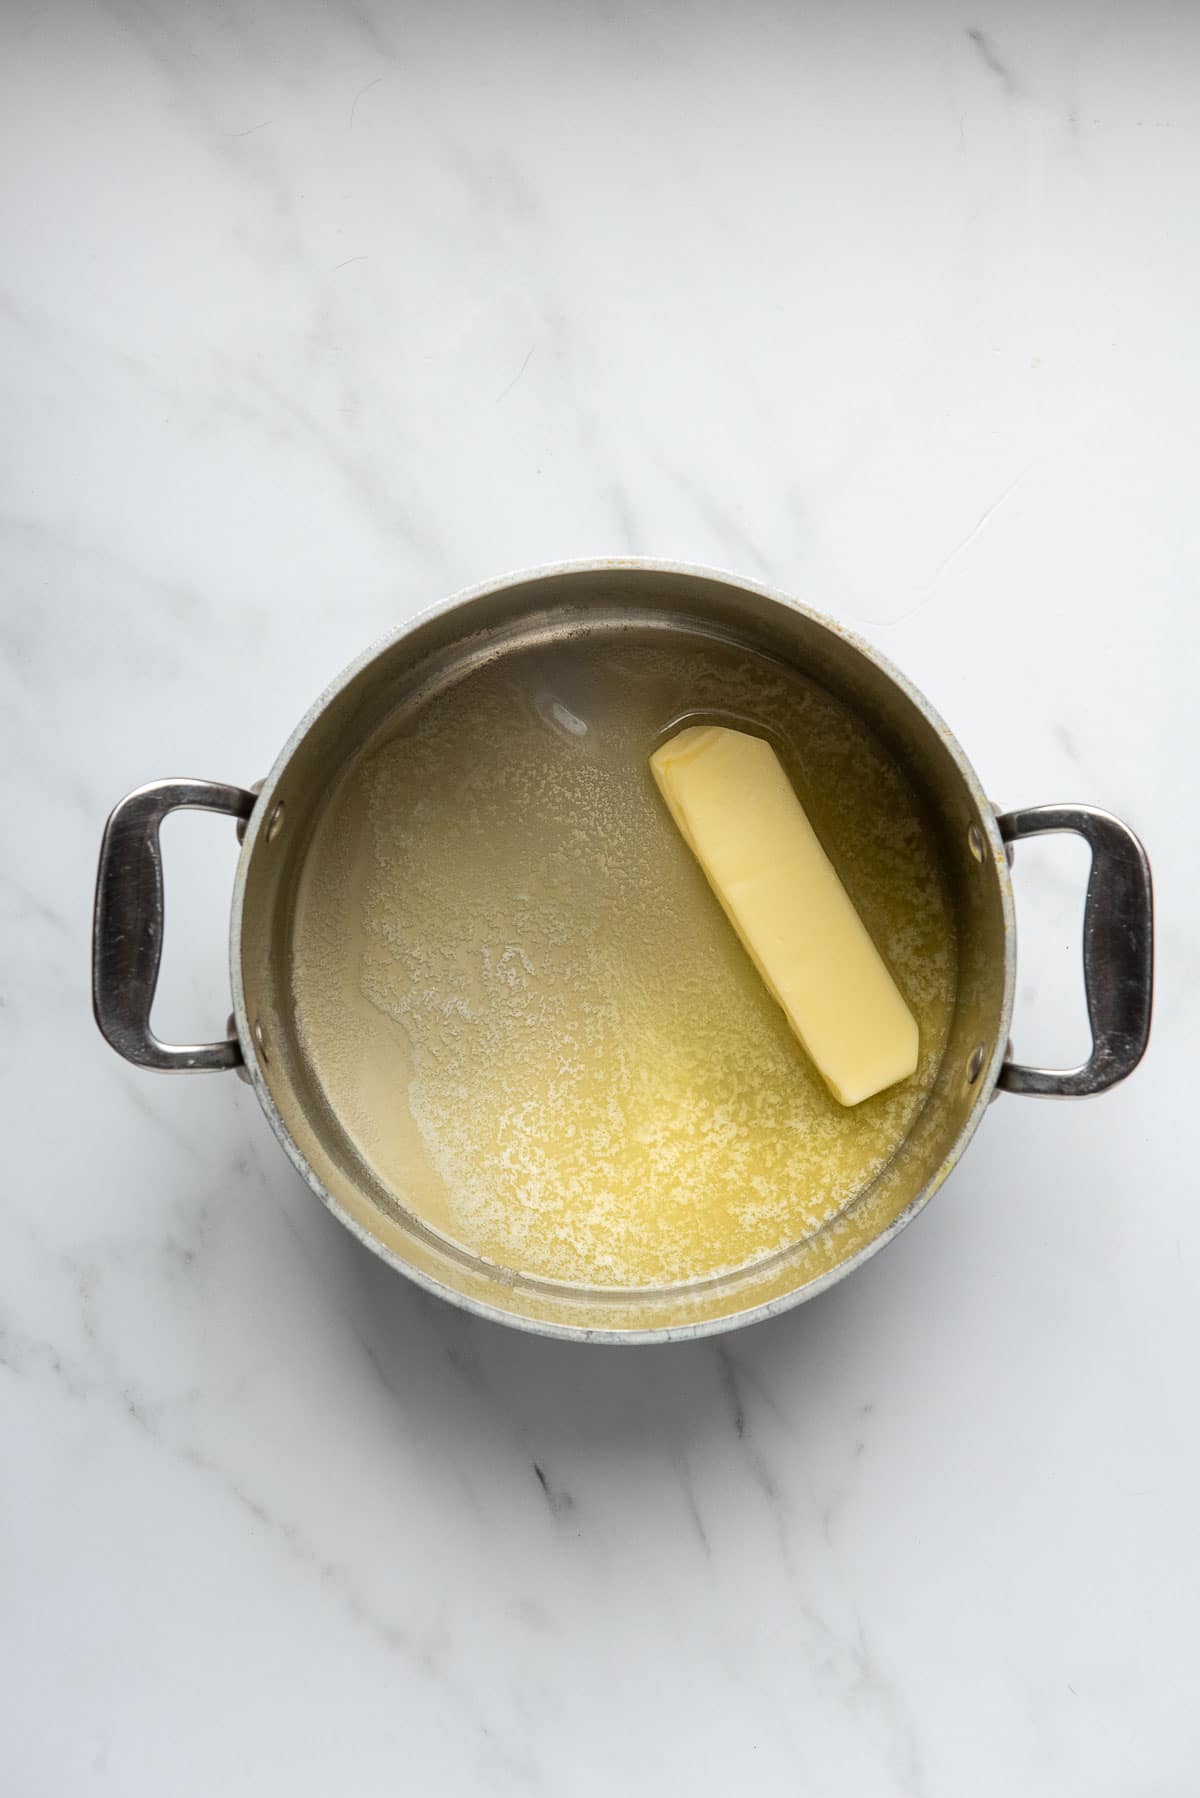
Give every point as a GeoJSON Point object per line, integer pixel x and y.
{"type": "Point", "coordinates": [671, 605]}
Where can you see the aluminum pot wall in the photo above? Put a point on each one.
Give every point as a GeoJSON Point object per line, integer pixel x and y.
{"type": "Point", "coordinates": [611, 599]}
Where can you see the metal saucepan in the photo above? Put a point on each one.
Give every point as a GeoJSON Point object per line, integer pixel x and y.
{"type": "Point", "coordinates": [672, 604]}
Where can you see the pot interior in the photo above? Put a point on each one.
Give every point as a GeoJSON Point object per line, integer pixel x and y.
{"type": "Point", "coordinates": [349, 948]}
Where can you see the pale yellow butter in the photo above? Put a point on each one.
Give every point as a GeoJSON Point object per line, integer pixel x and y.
{"type": "Point", "coordinates": [738, 813]}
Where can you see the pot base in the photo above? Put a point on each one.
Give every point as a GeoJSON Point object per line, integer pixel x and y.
{"type": "Point", "coordinates": [525, 1008]}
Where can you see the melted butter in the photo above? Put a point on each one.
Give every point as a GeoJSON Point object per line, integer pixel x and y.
{"type": "Point", "coordinates": [526, 1007]}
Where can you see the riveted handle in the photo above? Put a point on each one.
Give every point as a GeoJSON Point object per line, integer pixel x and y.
{"type": "Point", "coordinates": [127, 925]}
{"type": "Point", "coordinates": [1118, 950]}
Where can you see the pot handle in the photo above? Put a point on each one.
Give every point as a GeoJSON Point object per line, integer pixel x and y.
{"type": "Point", "coordinates": [127, 925]}
{"type": "Point", "coordinates": [1118, 950]}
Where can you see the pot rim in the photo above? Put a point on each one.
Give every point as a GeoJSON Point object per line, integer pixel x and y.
{"type": "Point", "coordinates": [708, 1326]}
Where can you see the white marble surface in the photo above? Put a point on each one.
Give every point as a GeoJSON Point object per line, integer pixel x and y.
{"type": "Point", "coordinates": [310, 315]}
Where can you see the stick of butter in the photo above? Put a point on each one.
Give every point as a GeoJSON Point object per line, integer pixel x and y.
{"type": "Point", "coordinates": [738, 813]}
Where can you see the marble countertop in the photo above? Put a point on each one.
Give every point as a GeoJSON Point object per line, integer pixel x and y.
{"type": "Point", "coordinates": [312, 314]}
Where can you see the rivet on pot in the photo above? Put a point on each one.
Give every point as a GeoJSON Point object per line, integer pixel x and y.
{"type": "Point", "coordinates": [274, 822]}
{"type": "Point", "coordinates": [975, 841]}
{"type": "Point", "coordinates": [975, 1065]}
{"type": "Point", "coordinates": [260, 1038]}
